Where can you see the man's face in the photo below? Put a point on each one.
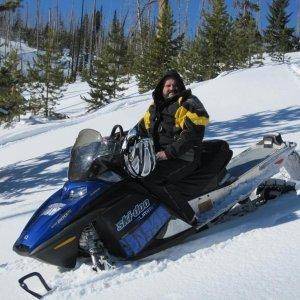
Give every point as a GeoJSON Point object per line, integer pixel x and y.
{"type": "Point", "coordinates": [170, 88]}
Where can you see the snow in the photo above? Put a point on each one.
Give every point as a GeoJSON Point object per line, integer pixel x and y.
{"type": "Point", "coordinates": [25, 52]}
{"type": "Point", "coordinates": [254, 256]}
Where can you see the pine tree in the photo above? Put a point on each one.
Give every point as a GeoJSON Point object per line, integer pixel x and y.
{"type": "Point", "coordinates": [100, 83]}
{"type": "Point", "coordinates": [190, 61]}
{"type": "Point", "coordinates": [139, 44]}
{"type": "Point", "coordinates": [278, 36]}
{"type": "Point", "coordinates": [109, 69]}
{"type": "Point", "coordinates": [116, 48]}
{"type": "Point", "coordinates": [216, 40]}
{"type": "Point", "coordinates": [160, 55]}
{"type": "Point", "coordinates": [247, 46]}
{"type": "Point", "coordinates": [11, 87]}
{"type": "Point", "coordinates": [46, 78]}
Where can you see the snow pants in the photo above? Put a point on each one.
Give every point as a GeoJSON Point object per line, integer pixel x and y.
{"type": "Point", "coordinates": [175, 181]}
{"type": "Point", "coordinates": [167, 183]}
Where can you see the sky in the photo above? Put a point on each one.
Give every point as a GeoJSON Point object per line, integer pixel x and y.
{"type": "Point", "coordinates": [124, 6]}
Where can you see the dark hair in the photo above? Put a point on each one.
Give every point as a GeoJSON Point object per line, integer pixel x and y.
{"type": "Point", "coordinates": [157, 93]}
{"type": "Point", "coordinates": [170, 77]}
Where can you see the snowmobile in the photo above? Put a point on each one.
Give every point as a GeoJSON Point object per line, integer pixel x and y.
{"type": "Point", "coordinates": [103, 213]}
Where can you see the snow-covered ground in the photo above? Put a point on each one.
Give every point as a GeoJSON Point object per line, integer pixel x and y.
{"type": "Point", "coordinates": [254, 256]}
{"type": "Point", "coordinates": [25, 52]}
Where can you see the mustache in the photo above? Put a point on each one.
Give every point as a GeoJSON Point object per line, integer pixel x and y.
{"type": "Point", "coordinates": [170, 94]}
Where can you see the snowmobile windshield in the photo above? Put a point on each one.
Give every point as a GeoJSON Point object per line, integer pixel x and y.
{"type": "Point", "coordinates": [84, 152]}
{"type": "Point", "coordinates": [90, 155]}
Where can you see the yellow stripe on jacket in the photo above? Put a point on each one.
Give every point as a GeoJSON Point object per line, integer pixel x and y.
{"type": "Point", "coordinates": [147, 119]}
{"type": "Point", "coordinates": [181, 115]}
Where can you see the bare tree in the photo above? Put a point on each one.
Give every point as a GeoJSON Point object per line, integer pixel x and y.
{"type": "Point", "coordinates": [92, 38]}
{"type": "Point", "coordinates": [298, 20]}
{"type": "Point", "coordinates": [26, 16]}
{"type": "Point", "coordinates": [186, 22]}
{"type": "Point", "coordinates": [179, 22]}
{"type": "Point", "coordinates": [37, 22]}
{"type": "Point", "coordinates": [202, 11]}
{"type": "Point", "coordinates": [139, 15]}
{"type": "Point", "coordinates": [149, 10]}
{"type": "Point", "coordinates": [72, 49]}
{"type": "Point", "coordinates": [79, 38]}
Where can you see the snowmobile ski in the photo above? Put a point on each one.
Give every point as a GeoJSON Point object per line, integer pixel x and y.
{"type": "Point", "coordinates": [28, 290]}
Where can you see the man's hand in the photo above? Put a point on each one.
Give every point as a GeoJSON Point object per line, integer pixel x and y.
{"type": "Point", "coordinates": [161, 155]}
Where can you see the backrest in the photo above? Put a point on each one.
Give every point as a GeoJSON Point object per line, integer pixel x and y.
{"type": "Point", "coordinates": [215, 155]}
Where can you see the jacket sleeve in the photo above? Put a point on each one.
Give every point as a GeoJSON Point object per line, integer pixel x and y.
{"type": "Point", "coordinates": [143, 125]}
{"type": "Point", "coordinates": [190, 120]}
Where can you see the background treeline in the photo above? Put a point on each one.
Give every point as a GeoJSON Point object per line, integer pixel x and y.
{"type": "Point", "coordinates": [108, 55]}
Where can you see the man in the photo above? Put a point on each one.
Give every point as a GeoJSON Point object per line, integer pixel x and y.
{"type": "Point", "coordinates": [176, 121]}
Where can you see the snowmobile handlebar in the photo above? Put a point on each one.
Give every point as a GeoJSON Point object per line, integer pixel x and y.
{"type": "Point", "coordinates": [117, 135]}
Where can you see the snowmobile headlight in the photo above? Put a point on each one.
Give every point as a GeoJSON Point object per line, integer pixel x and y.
{"type": "Point", "coordinates": [78, 192]}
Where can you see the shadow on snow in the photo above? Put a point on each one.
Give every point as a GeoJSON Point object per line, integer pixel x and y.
{"type": "Point", "coordinates": [40, 173]}
{"type": "Point", "coordinates": [243, 131]}
{"type": "Point", "coordinates": [37, 174]}
{"type": "Point", "coordinates": [275, 212]}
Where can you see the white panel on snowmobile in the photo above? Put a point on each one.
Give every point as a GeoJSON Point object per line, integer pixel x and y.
{"type": "Point", "coordinates": [248, 159]}
{"type": "Point", "coordinates": [175, 226]}
{"type": "Point", "coordinates": [250, 168]}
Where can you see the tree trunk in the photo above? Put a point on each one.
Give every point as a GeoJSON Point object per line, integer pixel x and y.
{"type": "Point", "coordinates": [72, 48]}
{"type": "Point", "coordinates": [93, 36]}
{"type": "Point", "coordinates": [79, 43]}
{"type": "Point", "coordinates": [162, 4]}
{"type": "Point", "coordinates": [298, 20]}
{"type": "Point", "coordinates": [37, 23]}
{"type": "Point", "coordinates": [186, 18]}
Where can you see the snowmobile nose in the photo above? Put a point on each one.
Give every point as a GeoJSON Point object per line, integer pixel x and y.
{"type": "Point", "coordinates": [21, 249]}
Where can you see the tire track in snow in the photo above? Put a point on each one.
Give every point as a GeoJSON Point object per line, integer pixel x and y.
{"type": "Point", "coordinates": [31, 132]}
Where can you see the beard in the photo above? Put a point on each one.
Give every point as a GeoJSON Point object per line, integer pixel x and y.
{"type": "Point", "coordinates": [169, 95]}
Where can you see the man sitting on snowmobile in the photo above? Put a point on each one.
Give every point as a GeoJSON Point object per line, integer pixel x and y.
{"type": "Point", "coordinates": [176, 122]}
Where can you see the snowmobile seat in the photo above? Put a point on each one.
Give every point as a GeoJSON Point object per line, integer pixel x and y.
{"type": "Point", "coordinates": [215, 155]}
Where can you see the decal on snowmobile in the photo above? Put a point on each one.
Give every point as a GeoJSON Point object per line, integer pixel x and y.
{"type": "Point", "coordinates": [133, 214]}
{"type": "Point", "coordinates": [62, 218]}
{"type": "Point", "coordinates": [133, 242]}
{"type": "Point", "coordinates": [67, 241]}
{"type": "Point", "coordinates": [53, 209]}
{"type": "Point", "coordinates": [206, 205]}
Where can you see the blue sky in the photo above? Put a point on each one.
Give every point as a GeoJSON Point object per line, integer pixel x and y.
{"type": "Point", "coordinates": [122, 6]}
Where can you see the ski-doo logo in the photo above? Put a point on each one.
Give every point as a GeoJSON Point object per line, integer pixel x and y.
{"type": "Point", "coordinates": [139, 209]}
{"type": "Point", "coordinates": [53, 209]}
{"type": "Point", "coordinates": [62, 218]}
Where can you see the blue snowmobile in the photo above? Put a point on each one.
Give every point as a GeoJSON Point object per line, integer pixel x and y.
{"type": "Point", "coordinates": [103, 213]}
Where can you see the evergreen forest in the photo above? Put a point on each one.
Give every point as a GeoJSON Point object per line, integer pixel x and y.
{"type": "Point", "coordinates": [142, 43]}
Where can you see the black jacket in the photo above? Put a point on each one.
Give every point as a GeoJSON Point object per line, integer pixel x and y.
{"type": "Point", "coordinates": [176, 124]}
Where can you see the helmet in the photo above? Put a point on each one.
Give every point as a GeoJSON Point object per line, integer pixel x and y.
{"type": "Point", "coordinates": [139, 157]}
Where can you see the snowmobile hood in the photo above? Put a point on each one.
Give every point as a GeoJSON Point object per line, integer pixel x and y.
{"type": "Point", "coordinates": [158, 91]}
{"type": "Point", "coordinates": [57, 212]}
